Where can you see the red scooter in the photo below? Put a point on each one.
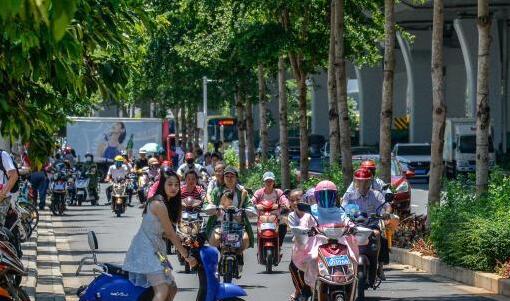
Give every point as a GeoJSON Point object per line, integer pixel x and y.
{"type": "Point", "coordinates": [267, 236]}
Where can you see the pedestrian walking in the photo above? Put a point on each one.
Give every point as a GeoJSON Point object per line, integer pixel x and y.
{"type": "Point", "coordinates": [8, 178]}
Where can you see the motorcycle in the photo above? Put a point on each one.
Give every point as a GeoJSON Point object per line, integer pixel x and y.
{"type": "Point", "coordinates": [144, 184]}
{"type": "Point", "coordinates": [83, 191]}
{"type": "Point", "coordinates": [112, 283]}
{"type": "Point", "coordinates": [12, 269]}
{"type": "Point", "coordinates": [132, 185]}
{"type": "Point", "coordinates": [119, 197]}
{"type": "Point", "coordinates": [231, 241]}
{"type": "Point", "coordinates": [268, 241]}
{"type": "Point", "coordinates": [71, 187]}
{"type": "Point", "coordinates": [369, 245]}
{"type": "Point", "coordinates": [192, 223]}
{"type": "Point", "coordinates": [58, 193]}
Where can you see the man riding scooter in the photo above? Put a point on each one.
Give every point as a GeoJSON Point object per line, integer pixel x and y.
{"type": "Point", "coordinates": [89, 167]}
{"type": "Point", "coordinates": [240, 200]}
{"type": "Point", "coordinates": [118, 171]}
{"type": "Point", "coordinates": [189, 165]}
{"type": "Point", "coordinates": [377, 184]}
{"type": "Point", "coordinates": [368, 201]}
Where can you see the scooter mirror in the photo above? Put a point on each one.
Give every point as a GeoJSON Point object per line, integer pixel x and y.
{"type": "Point", "coordinates": [388, 197]}
{"type": "Point", "coordinates": [93, 240]}
{"type": "Point", "coordinates": [386, 186]}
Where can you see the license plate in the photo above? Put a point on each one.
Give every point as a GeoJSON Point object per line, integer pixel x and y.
{"type": "Point", "coordinates": [187, 215]}
{"type": "Point", "coordinates": [80, 192]}
{"type": "Point", "coordinates": [232, 237]}
{"type": "Point", "coordinates": [420, 171]}
{"type": "Point", "coordinates": [267, 226]}
{"type": "Point", "coordinates": [338, 260]}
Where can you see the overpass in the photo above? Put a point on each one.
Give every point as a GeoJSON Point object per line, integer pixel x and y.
{"type": "Point", "coordinates": [413, 83]}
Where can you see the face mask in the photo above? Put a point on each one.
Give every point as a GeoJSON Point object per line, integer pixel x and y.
{"type": "Point", "coordinates": [118, 164]}
{"type": "Point", "coordinates": [190, 162]}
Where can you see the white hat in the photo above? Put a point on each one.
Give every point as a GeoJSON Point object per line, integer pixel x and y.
{"type": "Point", "coordinates": [268, 176]}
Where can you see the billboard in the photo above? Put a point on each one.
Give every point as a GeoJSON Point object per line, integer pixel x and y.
{"type": "Point", "coordinates": [105, 138]}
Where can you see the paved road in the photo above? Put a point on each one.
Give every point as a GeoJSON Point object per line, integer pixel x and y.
{"type": "Point", "coordinates": [115, 235]}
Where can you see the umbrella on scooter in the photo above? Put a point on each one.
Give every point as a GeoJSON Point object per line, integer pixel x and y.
{"type": "Point", "coordinates": [151, 148]}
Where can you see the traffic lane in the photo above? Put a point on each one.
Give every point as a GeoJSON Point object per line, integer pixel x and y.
{"type": "Point", "coordinates": [406, 283]}
{"type": "Point", "coordinates": [115, 235]}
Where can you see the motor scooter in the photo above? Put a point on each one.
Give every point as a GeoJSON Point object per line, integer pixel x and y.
{"type": "Point", "coordinates": [369, 245]}
{"type": "Point", "coordinates": [83, 191]}
{"type": "Point", "coordinates": [191, 224]}
{"type": "Point", "coordinates": [58, 194]}
{"type": "Point", "coordinates": [268, 240]}
{"type": "Point", "coordinates": [119, 197]}
{"type": "Point", "coordinates": [112, 283]}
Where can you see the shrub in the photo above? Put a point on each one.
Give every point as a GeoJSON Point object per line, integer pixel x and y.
{"type": "Point", "coordinates": [471, 231]}
{"type": "Point", "coordinates": [503, 269]}
{"type": "Point", "coordinates": [331, 173]}
{"type": "Point", "coordinates": [231, 158]}
{"type": "Point", "coordinates": [253, 177]}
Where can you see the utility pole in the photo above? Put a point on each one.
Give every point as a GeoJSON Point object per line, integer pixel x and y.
{"type": "Point", "coordinates": [206, 134]}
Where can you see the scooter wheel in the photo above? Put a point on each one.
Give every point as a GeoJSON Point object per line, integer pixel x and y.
{"type": "Point", "coordinates": [269, 261]}
{"type": "Point", "coordinates": [362, 279]}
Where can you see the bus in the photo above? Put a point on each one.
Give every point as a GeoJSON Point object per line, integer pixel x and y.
{"type": "Point", "coordinates": [214, 124]}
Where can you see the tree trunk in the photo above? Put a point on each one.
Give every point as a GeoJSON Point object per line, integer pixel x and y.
{"type": "Point", "coordinates": [387, 92]}
{"type": "Point", "coordinates": [184, 129]}
{"type": "Point", "coordinates": [284, 134]}
{"type": "Point", "coordinates": [175, 112]}
{"type": "Point", "coordinates": [439, 106]}
{"type": "Point", "coordinates": [341, 87]}
{"type": "Point", "coordinates": [303, 129]}
{"type": "Point", "coordinates": [482, 99]}
{"type": "Point", "coordinates": [296, 62]}
{"type": "Point", "coordinates": [334, 145]}
{"type": "Point", "coordinates": [241, 123]}
{"type": "Point", "coordinates": [190, 129]}
{"type": "Point", "coordinates": [250, 139]}
{"type": "Point", "coordinates": [264, 132]}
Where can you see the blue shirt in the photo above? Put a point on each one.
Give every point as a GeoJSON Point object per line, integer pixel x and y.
{"type": "Point", "coordinates": [367, 204]}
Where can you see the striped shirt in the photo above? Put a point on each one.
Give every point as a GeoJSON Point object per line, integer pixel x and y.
{"type": "Point", "coordinates": [198, 193]}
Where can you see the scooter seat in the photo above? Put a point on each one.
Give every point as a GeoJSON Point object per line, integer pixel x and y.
{"type": "Point", "coordinates": [116, 270]}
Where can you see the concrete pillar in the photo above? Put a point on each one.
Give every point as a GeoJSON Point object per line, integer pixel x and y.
{"type": "Point", "coordinates": [370, 92]}
{"type": "Point", "coordinates": [468, 37]}
{"type": "Point", "coordinates": [320, 106]}
{"type": "Point", "coordinates": [467, 33]}
{"type": "Point", "coordinates": [419, 85]}
{"type": "Point", "coordinates": [400, 88]}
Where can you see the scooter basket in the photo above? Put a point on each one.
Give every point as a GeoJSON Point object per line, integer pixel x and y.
{"type": "Point", "coordinates": [232, 234]}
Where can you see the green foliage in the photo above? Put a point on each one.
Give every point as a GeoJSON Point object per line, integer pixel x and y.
{"type": "Point", "coordinates": [253, 177]}
{"type": "Point", "coordinates": [54, 56]}
{"type": "Point", "coordinates": [473, 232]}
{"type": "Point", "coordinates": [331, 173]}
{"type": "Point", "coordinates": [231, 158]}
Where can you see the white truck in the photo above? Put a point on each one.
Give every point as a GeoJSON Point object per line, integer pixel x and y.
{"type": "Point", "coordinates": [459, 151]}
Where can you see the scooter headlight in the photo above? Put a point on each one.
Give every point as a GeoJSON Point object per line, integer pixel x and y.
{"type": "Point", "coordinates": [118, 201]}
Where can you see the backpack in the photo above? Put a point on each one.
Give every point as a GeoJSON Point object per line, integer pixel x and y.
{"type": "Point", "coordinates": [15, 188]}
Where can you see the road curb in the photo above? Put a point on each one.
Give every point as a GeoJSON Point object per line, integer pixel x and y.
{"type": "Point", "coordinates": [488, 281]}
{"type": "Point", "coordinates": [29, 260]}
{"type": "Point", "coordinates": [49, 282]}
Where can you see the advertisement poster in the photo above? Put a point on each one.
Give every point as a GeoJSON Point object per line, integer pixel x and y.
{"type": "Point", "coordinates": [105, 138]}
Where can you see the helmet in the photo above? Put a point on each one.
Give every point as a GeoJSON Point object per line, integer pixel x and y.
{"type": "Point", "coordinates": [123, 152]}
{"type": "Point", "coordinates": [362, 174]}
{"type": "Point", "coordinates": [189, 156]}
{"type": "Point", "coordinates": [119, 158]}
{"type": "Point", "coordinates": [369, 164]}
{"type": "Point", "coordinates": [153, 161]}
{"type": "Point", "coordinates": [67, 150]}
{"type": "Point", "coordinates": [142, 151]}
{"type": "Point", "coordinates": [325, 194]}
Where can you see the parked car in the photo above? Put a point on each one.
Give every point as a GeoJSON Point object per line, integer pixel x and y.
{"type": "Point", "coordinates": [399, 184]}
{"type": "Point", "coordinates": [357, 152]}
{"type": "Point", "coordinates": [414, 156]}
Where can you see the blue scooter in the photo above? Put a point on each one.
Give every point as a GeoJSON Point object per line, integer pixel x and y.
{"type": "Point", "coordinates": [112, 283]}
